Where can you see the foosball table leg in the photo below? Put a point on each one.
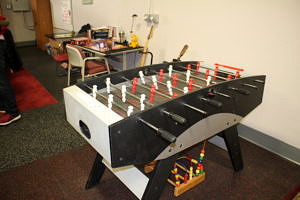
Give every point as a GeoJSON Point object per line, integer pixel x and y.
{"type": "Point", "coordinates": [231, 138]}
{"type": "Point", "coordinates": [158, 178]}
{"type": "Point", "coordinates": [96, 172]}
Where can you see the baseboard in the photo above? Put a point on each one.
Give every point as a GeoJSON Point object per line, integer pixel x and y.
{"type": "Point", "coordinates": [264, 141]}
{"type": "Point", "coordinates": [269, 143]}
{"type": "Point", "coordinates": [25, 43]}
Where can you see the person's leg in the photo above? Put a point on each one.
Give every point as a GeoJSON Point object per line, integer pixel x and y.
{"type": "Point", "coordinates": [6, 93]}
{"type": "Point", "coordinates": [1, 104]}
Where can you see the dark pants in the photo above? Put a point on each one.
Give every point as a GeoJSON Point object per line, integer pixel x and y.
{"type": "Point", "coordinates": [7, 96]}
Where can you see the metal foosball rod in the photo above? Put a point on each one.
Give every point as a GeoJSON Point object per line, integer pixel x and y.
{"type": "Point", "coordinates": [128, 102]}
{"type": "Point", "coordinates": [175, 117]}
{"type": "Point", "coordinates": [160, 132]}
{"type": "Point", "coordinates": [217, 70]}
{"type": "Point", "coordinates": [193, 84]}
{"type": "Point", "coordinates": [249, 85]}
{"type": "Point", "coordinates": [212, 102]}
{"type": "Point", "coordinates": [106, 98]}
{"type": "Point", "coordinates": [182, 81]}
{"type": "Point", "coordinates": [192, 107]}
{"type": "Point", "coordinates": [176, 88]}
{"type": "Point", "coordinates": [148, 88]}
{"type": "Point", "coordinates": [195, 71]}
{"type": "Point", "coordinates": [196, 77]}
{"type": "Point", "coordinates": [240, 90]}
{"type": "Point", "coordinates": [222, 71]}
{"type": "Point", "coordinates": [123, 98]}
{"type": "Point", "coordinates": [160, 82]}
{"type": "Point", "coordinates": [160, 93]}
{"type": "Point", "coordinates": [195, 109]}
{"type": "Point", "coordinates": [132, 95]}
{"type": "Point", "coordinates": [258, 81]}
{"type": "Point", "coordinates": [221, 94]}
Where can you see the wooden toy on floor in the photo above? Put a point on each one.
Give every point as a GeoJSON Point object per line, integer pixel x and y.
{"type": "Point", "coordinates": [193, 174]}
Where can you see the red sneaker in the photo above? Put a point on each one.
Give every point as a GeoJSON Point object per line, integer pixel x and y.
{"type": "Point", "coordinates": [7, 119]}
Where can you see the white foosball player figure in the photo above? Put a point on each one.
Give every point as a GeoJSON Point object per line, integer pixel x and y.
{"type": "Point", "coordinates": [169, 85]}
{"type": "Point", "coordinates": [142, 99]}
{"type": "Point", "coordinates": [110, 100]}
{"type": "Point", "coordinates": [188, 75]}
{"type": "Point", "coordinates": [154, 80]}
{"type": "Point", "coordinates": [94, 94]}
{"type": "Point", "coordinates": [124, 93]}
{"type": "Point", "coordinates": [108, 85]}
{"type": "Point", "coordinates": [130, 110]}
{"type": "Point", "coordinates": [185, 90]}
{"type": "Point", "coordinates": [170, 70]}
{"type": "Point", "coordinates": [208, 80]}
{"type": "Point", "coordinates": [142, 77]}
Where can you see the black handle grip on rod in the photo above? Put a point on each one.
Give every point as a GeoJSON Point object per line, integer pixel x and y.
{"type": "Point", "coordinates": [160, 132]}
{"type": "Point", "coordinates": [177, 118]}
{"type": "Point", "coordinates": [213, 102]}
{"type": "Point", "coordinates": [166, 135]}
{"type": "Point", "coordinates": [240, 90]}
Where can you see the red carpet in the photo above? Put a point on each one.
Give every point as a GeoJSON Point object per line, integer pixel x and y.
{"type": "Point", "coordinates": [30, 93]}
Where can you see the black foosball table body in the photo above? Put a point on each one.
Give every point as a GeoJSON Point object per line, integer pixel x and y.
{"type": "Point", "coordinates": [169, 124]}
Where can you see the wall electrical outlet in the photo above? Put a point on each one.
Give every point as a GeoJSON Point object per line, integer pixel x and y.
{"type": "Point", "coordinates": [154, 18]}
{"type": "Point", "coordinates": [86, 2]}
{"type": "Point", "coordinates": [8, 6]}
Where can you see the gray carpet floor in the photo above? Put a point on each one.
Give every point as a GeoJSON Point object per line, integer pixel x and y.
{"type": "Point", "coordinates": [43, 131]}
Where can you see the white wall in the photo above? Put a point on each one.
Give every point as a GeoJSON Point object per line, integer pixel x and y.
{"type": "Point", "coordinates": [263, 37]}
{"type": "Point", "coordinates": [17, 24]}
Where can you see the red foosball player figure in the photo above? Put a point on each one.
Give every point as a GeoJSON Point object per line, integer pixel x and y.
{"type": "Point", "coordinates": [229, 77]}
{"type": "Point", "coordinates": [134, 83]}
{"type": "Point", "coordinates": [152, 93]}
{"type": "Point", "coordinates": [161, 75]}
{"type": "Point", "coordinates": [190, 84]}
{"type": "Point", "coordinates": [175, 77]}
{"type": "Point", "coordinates": [206, 73]}
{"type": "Point", "coordinates": [188, 67]}
{"type": "Point", "coordinates": [198, 67]}
{"type": "Point", "coordinates": [216, 72]}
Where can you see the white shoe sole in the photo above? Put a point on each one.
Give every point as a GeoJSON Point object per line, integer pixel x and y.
{"type": "Point", "coordinates": [14, 119]}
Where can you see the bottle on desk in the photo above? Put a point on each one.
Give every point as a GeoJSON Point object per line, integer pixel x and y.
{"type": "Point", "coordinates": [89, 34]}
{"type": "Point", "coordinates": [122, 36]}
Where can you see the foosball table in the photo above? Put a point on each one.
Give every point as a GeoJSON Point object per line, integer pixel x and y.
{"type": "Point", "coordinates": [154, 113]}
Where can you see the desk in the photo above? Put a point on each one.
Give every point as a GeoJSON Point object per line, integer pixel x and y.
{"type": "Point", "coordinates": [63, 36]}
{"type": "Point", "coordinates": [114, 52]}
{"type": "Point", "coordinates": [58, 41]}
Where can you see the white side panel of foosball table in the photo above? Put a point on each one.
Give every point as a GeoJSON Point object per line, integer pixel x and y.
{"type": "Point", "coordinates": [81, 106]}
{"type": "Point", "coordinates": [130, 176]}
